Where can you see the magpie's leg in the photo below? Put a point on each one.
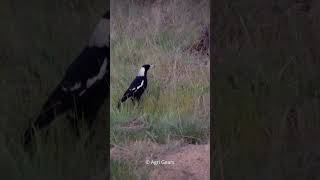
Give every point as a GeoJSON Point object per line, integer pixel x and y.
{"type": "Point", "coordinates": [133, 100]}
{"type": "Point", "coordinates": [74, 124]}
{"type": "Point", "coordinates": [91, 122]}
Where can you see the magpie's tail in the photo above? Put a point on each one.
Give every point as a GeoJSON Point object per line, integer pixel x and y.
{"type": "Point", "coordinates": [42, 121]}
{"type": "Point", "coordinates": [52, 108]}
{"type": "Point", "coordinates": [28, 136]}
{"type": "Point", "coordinates": [123, 99]}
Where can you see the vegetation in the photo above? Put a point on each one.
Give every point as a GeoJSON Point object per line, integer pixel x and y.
{"type": "Point", "coordinates": [266, 89]}
{"type": "Point", "coordinates": [175, 105]}
{"type": "Point", "coordinates": [39, 39]}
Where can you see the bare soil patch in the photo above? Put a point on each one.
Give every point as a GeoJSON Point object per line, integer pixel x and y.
{"type": "Point", "coordinates": [190, 161]}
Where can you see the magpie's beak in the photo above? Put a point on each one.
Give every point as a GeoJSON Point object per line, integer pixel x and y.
{"type": "Point", "coordinates": [152, 66]}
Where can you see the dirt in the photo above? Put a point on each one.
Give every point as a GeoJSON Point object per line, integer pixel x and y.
{"type": "Point", "coordinates": [200, 46]}
{"type": "Point", "coordinates": [137, 123]}
{"type": "Point", "coordinates": [188, 161]}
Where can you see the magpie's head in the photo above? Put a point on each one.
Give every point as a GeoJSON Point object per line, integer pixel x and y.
{"type": "Point", "coordinates": [100, 36]}
{"type": "Point", "coordinates": [144, 69]}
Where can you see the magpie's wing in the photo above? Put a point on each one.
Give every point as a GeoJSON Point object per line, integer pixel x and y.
{"type": "Point", "coordinates": [89, 67]}
{"type": "Point", "coordinates": [134, 86]}
{"type": "Point", "coordinates": [85, 68]}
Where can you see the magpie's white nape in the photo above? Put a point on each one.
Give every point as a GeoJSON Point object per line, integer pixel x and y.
{"type": "Point", "coordinates": [101, 35]}
{"type": "Point", "coordinates": [138, 85]}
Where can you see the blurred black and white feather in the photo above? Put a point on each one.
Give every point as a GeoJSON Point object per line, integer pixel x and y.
{"type": "Point", "coordinates": [84, 86]}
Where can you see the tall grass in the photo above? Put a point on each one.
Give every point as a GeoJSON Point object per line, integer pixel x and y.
{"type": "Point", "coordinates": [266, 65]}
{"type": "Point", "coordinates": [178, 82]}
{"type": "Point", "coordinates": [176, 102]}
{"type": "Point", "coordinates": [39, 39]}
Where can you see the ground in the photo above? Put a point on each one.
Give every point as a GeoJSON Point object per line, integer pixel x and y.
{"type": "Point", "coordinates": [190, 161]}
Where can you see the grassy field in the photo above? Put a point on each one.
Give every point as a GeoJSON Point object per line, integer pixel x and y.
{"type": "Point", "coordinates": [39, 39]}
{"type": "Point", "coordinates": [266, 90]}
{"type": "Point", "coordinates": [175, 105]}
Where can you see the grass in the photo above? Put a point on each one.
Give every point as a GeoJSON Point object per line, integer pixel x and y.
{"type": "Point", "coordinates": [38, 42]}
{"type": "Point", "coordinates": [176, 102]}
{"type": "Point", "coordinates": [266, 64]}
{"type": "Point", "coordinates": [121, 170]}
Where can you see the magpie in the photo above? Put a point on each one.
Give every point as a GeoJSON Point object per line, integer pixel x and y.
{"type": "Point", "coordinates": [138, 85]}
{"type": "Point", "coordinates": [84, 86]}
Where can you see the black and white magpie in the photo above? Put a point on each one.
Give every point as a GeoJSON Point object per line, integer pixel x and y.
{"type": "Point", "coordinates": [84, 86]}
{"type": "Point", "coordinates": [138, 85]}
